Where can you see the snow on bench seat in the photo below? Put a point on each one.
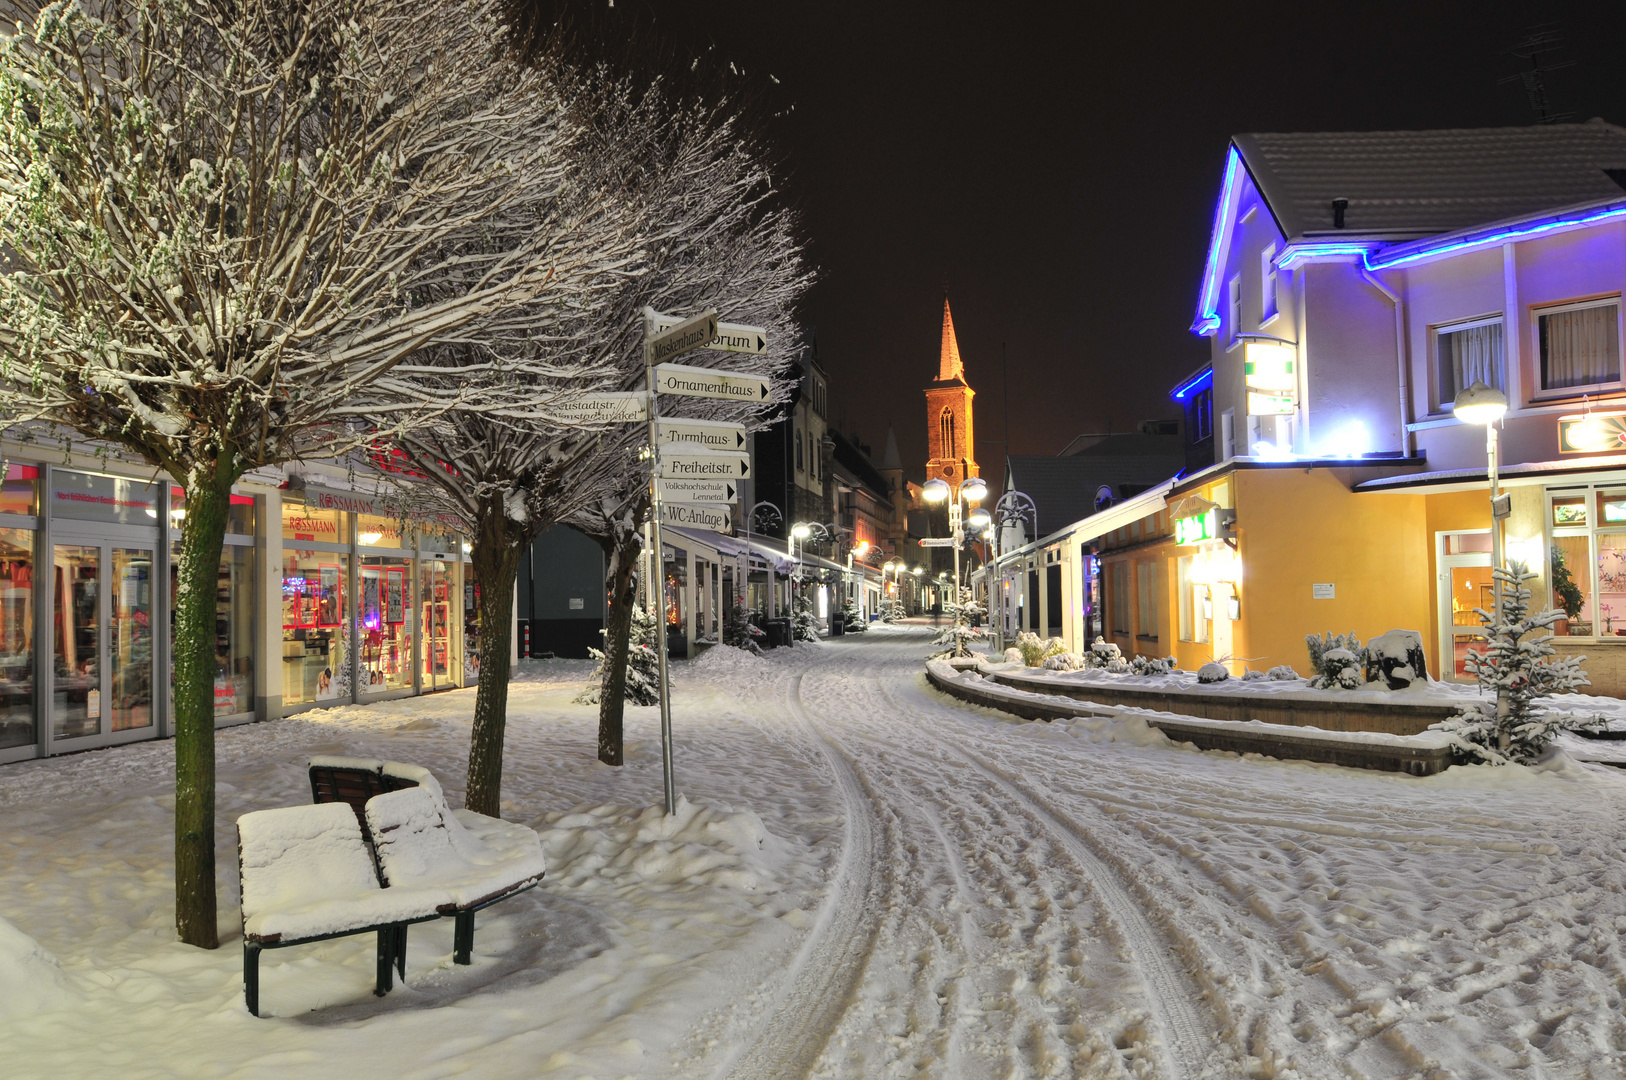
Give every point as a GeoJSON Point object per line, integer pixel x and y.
{"type": "Point", "coordinates": [306, 873]}
{"type": "Point", "coordinates": [419, 846]}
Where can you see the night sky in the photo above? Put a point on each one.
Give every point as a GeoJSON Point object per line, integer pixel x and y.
{"type": "Point", "coordinates": [1055, 167]}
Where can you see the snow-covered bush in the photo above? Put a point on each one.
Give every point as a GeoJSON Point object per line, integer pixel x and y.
{"type": "Point", "coordinates": [1036, 649]}
{"type": "Point", "coordinates": [643, 666]}
{"type": "Point", "coordinates": [1282, 673]}
{"type": "Point", "coordinates": [739, 631]}
{"type": "Point", "coordinates": [1397, 658]}
{"type": "Point", "coordinates": [806, 627]}
{"type": "Point", "coordinates": [852, 619]}
{"type": "Point", "coordinates": [1152, 665]}
{"type": "Point", "coordinates": [1518, 662]}
{"type": "Point", "coordinates": [1013, 655]}
{"type": "Point", "coordinates": [1065, 661]}
{"type": "Point", "coordinates": [1320, 645]}
{"type": "Point", "coordinates": [894, 611]}
{"type": "Point", "coordinates": [1212, 672]}
{"type": "Point", "coordinates": [1250, 675]}
{"type": "Point", "coordinates": [1104, 652]}
{"type": "Point", "coordinates": [959, 634]}
{"type": "Point", "coordinates": [1340, 669]}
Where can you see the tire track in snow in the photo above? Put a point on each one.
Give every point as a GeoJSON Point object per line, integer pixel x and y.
{"type": "Point", "coordinates": [1172, 994]}
{"type": "Point", "coordinates": [824, 974]}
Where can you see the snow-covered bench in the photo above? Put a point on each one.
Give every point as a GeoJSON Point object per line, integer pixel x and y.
{"type": "Point", "coordinates": [353, 781]}
{"type": "Point", "coordinates": [478, 860]}
{"type": "Point", "coordinates": [306, 875]}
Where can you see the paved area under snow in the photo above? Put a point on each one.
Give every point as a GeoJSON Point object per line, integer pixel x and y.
{"type": "Point", "coordinates": [866, 880]}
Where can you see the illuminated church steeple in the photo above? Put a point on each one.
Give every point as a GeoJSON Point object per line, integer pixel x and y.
{"type": "Point", "coordinates": [948, 413]}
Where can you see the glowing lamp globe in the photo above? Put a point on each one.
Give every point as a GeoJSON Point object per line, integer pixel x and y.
{"type": "Point", "coordinates": [1480, 404]}
{"type": "Point", "coordinates": [979, 519]}
{"type": "Point", "coordinates": [934, 490]}
{"type": "Point", "coordinates": [801, 532]}
{"type": "Point", "coordinates": [974, 490]}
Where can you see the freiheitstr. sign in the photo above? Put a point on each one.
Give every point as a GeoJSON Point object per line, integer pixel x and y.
{"type": "Point", "coordinates": [686, 465]}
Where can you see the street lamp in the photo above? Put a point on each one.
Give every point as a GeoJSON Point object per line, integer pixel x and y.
{"type": "Point", "coordinates": [972, 490]}
{"type": "Point", "coordinates": [1481, 404]}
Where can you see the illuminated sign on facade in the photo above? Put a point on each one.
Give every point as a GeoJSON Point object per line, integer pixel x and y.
{"type": "Point", "coordinates": [1198, 527]}
{"type": "Point", "coordinates": [1593, 433]}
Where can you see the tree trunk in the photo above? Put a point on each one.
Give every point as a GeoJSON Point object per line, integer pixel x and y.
{"type": "Point", "coordinates": [208, 497]}
{"type": "Point", "coordinates": [621, 559]}
{"type": "Point", "coordinates": [499, 543]}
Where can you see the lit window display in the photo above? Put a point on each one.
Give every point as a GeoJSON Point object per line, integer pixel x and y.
{"type": "Point", "coordinates": [373, 530]}
{"type": "Point", "coordinates": [239, 513]}
{"type": "Point", "coordinates": [441, 610]}
{"type": "Point", "coordinates": [315, 657]}
{"type": "Point", "coordinates": [19, 492]}
{"type": "Point", "coordinates": [16, 637]}
{"type": "Point", "coordinates": [234, 627]}
{"type": "Point", "coordinates": [130, 633]}
{"type": "Point", "coordinates": [386, 623]}
{"type": "Point", "coordinates": [316, 526]}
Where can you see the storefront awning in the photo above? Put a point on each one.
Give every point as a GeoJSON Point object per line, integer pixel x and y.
{"type": "Point", "coordinates": [1528, 474]}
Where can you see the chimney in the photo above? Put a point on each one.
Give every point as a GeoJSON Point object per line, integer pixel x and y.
{"type": "Point", "coordinates": [1339, 205]}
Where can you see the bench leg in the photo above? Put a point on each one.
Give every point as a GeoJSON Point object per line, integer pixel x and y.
{"type": "Point", "coordinates": [386, 961]}
{"type": "Point", "coordinates": [463, 937]}
{"type": "Point", "coordinates": [251, 978]}
{"type": "Point", "coordinates": [400, 952]}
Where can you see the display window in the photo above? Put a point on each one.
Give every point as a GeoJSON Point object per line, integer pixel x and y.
{"type": "Point", "coordinates": [110, 499]}
{"type": "Point", "coordinates": [375, 531]}
{"type": "Point", "coordinates": [440, 615]}
{"type": "Point", "coordinates": [16, 637]}
{"type": "Point", "coordinates": [385, 632]}
{"type": "Point", "coordinates": [300, 522]}
{"type": "Point", "coordinates": [315, 649]}
{"type": "Point", "coordinates": [234, 626]}
{"type": "Point", "coordinates": [239, 512]}
{"type": "Point", "coordinates": [19, 491]}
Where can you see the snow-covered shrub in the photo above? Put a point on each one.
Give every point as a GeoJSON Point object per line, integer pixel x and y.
{"type": "Point", "coordinates": [739, 631]}
{"type": "Point", "coordinates": [1152, 665]}
{"type": "Point", "coordinates": [894, 611]}
{"type": "Point", "coordinates": [1212, 672]}
{"type": "Point", "coordinates": [1250, 675]}
{"type": "Point", "coordinates": [1104, 652]}
{"type": "Point", "coordinates": [959, 634]}
{"type": "Point", "coordinates": [1341, 669]}
{"type": "Point", "coordinates": [1013, 655]}
{"type": "Point", "coordinates": [852, 619]}
{"type": "Point", "coordinates": [806, 626]}
{"type": "Point", "coordinates": [1397, 658]}
{"type": "Point", "coordinates": [1319, 646]}
{"type": "Point", "coordinates": [643, 666]}
{"type": "Point", "coordinates": [1518, 662]}
{"type": "Point", "coordinates": [1282, 673]}
{"type": "Point", "coordinates": [1065, 661]}
{"type": "Point", "coordinates": [1035, 648]}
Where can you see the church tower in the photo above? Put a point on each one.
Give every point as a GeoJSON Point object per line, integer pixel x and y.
{"type": "Point", "coordinates": [951, 453]}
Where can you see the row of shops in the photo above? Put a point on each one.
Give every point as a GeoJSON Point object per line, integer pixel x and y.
{"type": "Point", "coordinates": [1239, 562]}
{"type": "Point", "coordinates": [323, 598]}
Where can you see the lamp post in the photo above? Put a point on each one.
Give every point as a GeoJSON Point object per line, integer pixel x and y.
{"type": "Point", "coordinates": [1013, 506]}
{"type": "Point", "coordinates": [1481, 404]}
{"type": "Point", "coordinates": [859, 549]}
{"type": "Point", "coordinates": [972, 490]}
{"type": "Point", "coordinates": [917, 571]}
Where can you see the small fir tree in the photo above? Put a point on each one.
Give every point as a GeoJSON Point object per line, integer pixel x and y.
{"type": "Point", "coordinates": [895, 611]}
{"type": "Point", "coordinates": [853, 619]}
{"type": "Point", "coordinates": [739, 631]}
{"type": "Point", "coordinates": [960, 633]}
{"type": "Point", "coordinates": [807, 627]}
{"type": "Point", "coordinates": [643, 666]}
{"type": "Point", "coordinates": [1519, 662]}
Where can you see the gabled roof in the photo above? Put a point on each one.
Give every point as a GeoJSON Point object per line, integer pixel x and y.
{"type": "Point", "coordinates": [1416, 194]}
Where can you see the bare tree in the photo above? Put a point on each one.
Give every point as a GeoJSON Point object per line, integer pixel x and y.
{"type": "Point", "coordinates": [228, 225]}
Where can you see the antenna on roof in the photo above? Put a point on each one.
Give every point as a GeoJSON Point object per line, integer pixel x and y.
{"type": "Point", "coordinates": [1539, 42]}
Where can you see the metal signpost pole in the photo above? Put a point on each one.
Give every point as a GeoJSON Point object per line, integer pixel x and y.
{"type": "Point", "coordinates": [655, 581]}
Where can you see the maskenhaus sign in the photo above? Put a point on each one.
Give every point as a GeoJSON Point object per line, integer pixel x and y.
{"type": "Point", "coordinates": [686, 336]}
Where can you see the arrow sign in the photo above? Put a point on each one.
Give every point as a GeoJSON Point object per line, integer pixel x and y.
{"type": "Point", "coordinates": [681, 338]}
{"type": "Point", "coordinates": [607, 408]}
{"type": "Point", "coordinates": [937, 541]}
{"type": "Point", "coordinates": [713, 516]}
{"type": "Point", "coordinates": [709, 434]}
{"type": "Point", "coordinates": [731, 337]}
{"type": "Point", "coordinates": [684, 381]}
{"type": "Point", "coordinates": [700, 491]}
{"type": "Point", "coordinates": [699, 465]}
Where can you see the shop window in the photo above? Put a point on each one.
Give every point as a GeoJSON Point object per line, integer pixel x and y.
{"type": "Point", "coordinates": [239, 512]}
{"type": "Point", "coordinates": [300, 522]}
{"type": "Point", "coordinates": [19, 492]}
{"type": "Point", "coordinates": [1146, 599]}
{"type": "Point", "coordinates": [385, 641]}
{"type": "Point", "coordinates": [1193, 594]}
{"type": "Point", "coordinates": [16, 637]}
{"type": "Point", "coordinates": [442, 612]}
{"type": "Point", "coordinates": [381, 531]}
{"type": "Point", "coordinates": [315, 649]}
{"type": "Point", "coordinates": [110, 499]}
{"type": "Point", "coordinates": [1465, 354]}
{"type": "Point", "coordinates": [1580, 345]}
{"type": "Point", "coordinates": [1118, 598]}
{"type": "Point", "coordinates": [234, 626]}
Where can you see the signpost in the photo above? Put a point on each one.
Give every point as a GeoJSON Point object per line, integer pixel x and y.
{"type": "Point", "coordinates": [714, 516]}
{"type": "Point", "coordinates": [680, 338]}
{"type": "Point", "coordinates": [709, 434]}
{"type": "Point", "coordinates": [702, 465]}
{"type": "Point", "coordinates": [730, 337]}
{"type": "Point", "coordinates": [936, 541]}
{"type": "Point", "coordinates": [681, 381]}
{"type": "Point", "coordinates": [606, 408]}
{"type": "Point", "coordinates": [707, 491]}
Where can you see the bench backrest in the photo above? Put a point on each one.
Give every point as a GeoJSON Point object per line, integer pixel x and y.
{"type": "Point", "coordinates": [353, 781]}
{"type": "Point", "coordinates": [300, 854]}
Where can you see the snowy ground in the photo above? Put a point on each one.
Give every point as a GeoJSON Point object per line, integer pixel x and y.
{"type": "Point", "coordinates": [866, 880]}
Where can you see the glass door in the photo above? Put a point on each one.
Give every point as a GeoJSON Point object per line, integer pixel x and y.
{"type": "Point", "coordinates": [440, 615]}
{"type": "Point", "coordinates": [102, 641]}
{"type": "Point", "coordinates": [386, 628]}
{"type": "Point", "coordinates": [1465, 584]}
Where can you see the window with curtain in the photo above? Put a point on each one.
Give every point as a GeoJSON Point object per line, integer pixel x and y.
{"type": "Point", "coordinates": [1580, 345]}
{"type": "Point", "coordinates": [1467, 354]}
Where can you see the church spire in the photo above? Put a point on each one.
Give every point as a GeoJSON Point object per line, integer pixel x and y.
{"type": "Point", "coordinates": [949, 368]}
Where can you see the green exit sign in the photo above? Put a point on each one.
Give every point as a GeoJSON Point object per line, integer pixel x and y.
{"type": "Point", "coordinates": [1197, 528]}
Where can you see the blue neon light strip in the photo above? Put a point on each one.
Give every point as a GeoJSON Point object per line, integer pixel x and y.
{"type": "Point", "coordinates": [1400, 255]}
{"type": "Point", "coordinates": [1200, 381]}
{"type": "Point", "coordinates": [1207, 317]}
{"type": "Point", "coordinates": [1298, 253]}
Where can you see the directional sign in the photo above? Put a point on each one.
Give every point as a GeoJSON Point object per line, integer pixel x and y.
{"type": "Point", "coordinates": [710, 434]}
{"type": "Point", "coordinates": [937, 541]}
{"type": "Point", "coordinates": [606, 408]}
{"type": "Point", "coordinates": [698, 465]}
{"type": "Point", "coordinates": [687, 335]}
{"type": "Point", "coordinates": [714, 516]}
{"type": "Point", "coordinates": [704, 382]}
{"type": "Point", "coordinates": [706, 491]}
{"type": "Point", "coordinates": [731, 337]}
